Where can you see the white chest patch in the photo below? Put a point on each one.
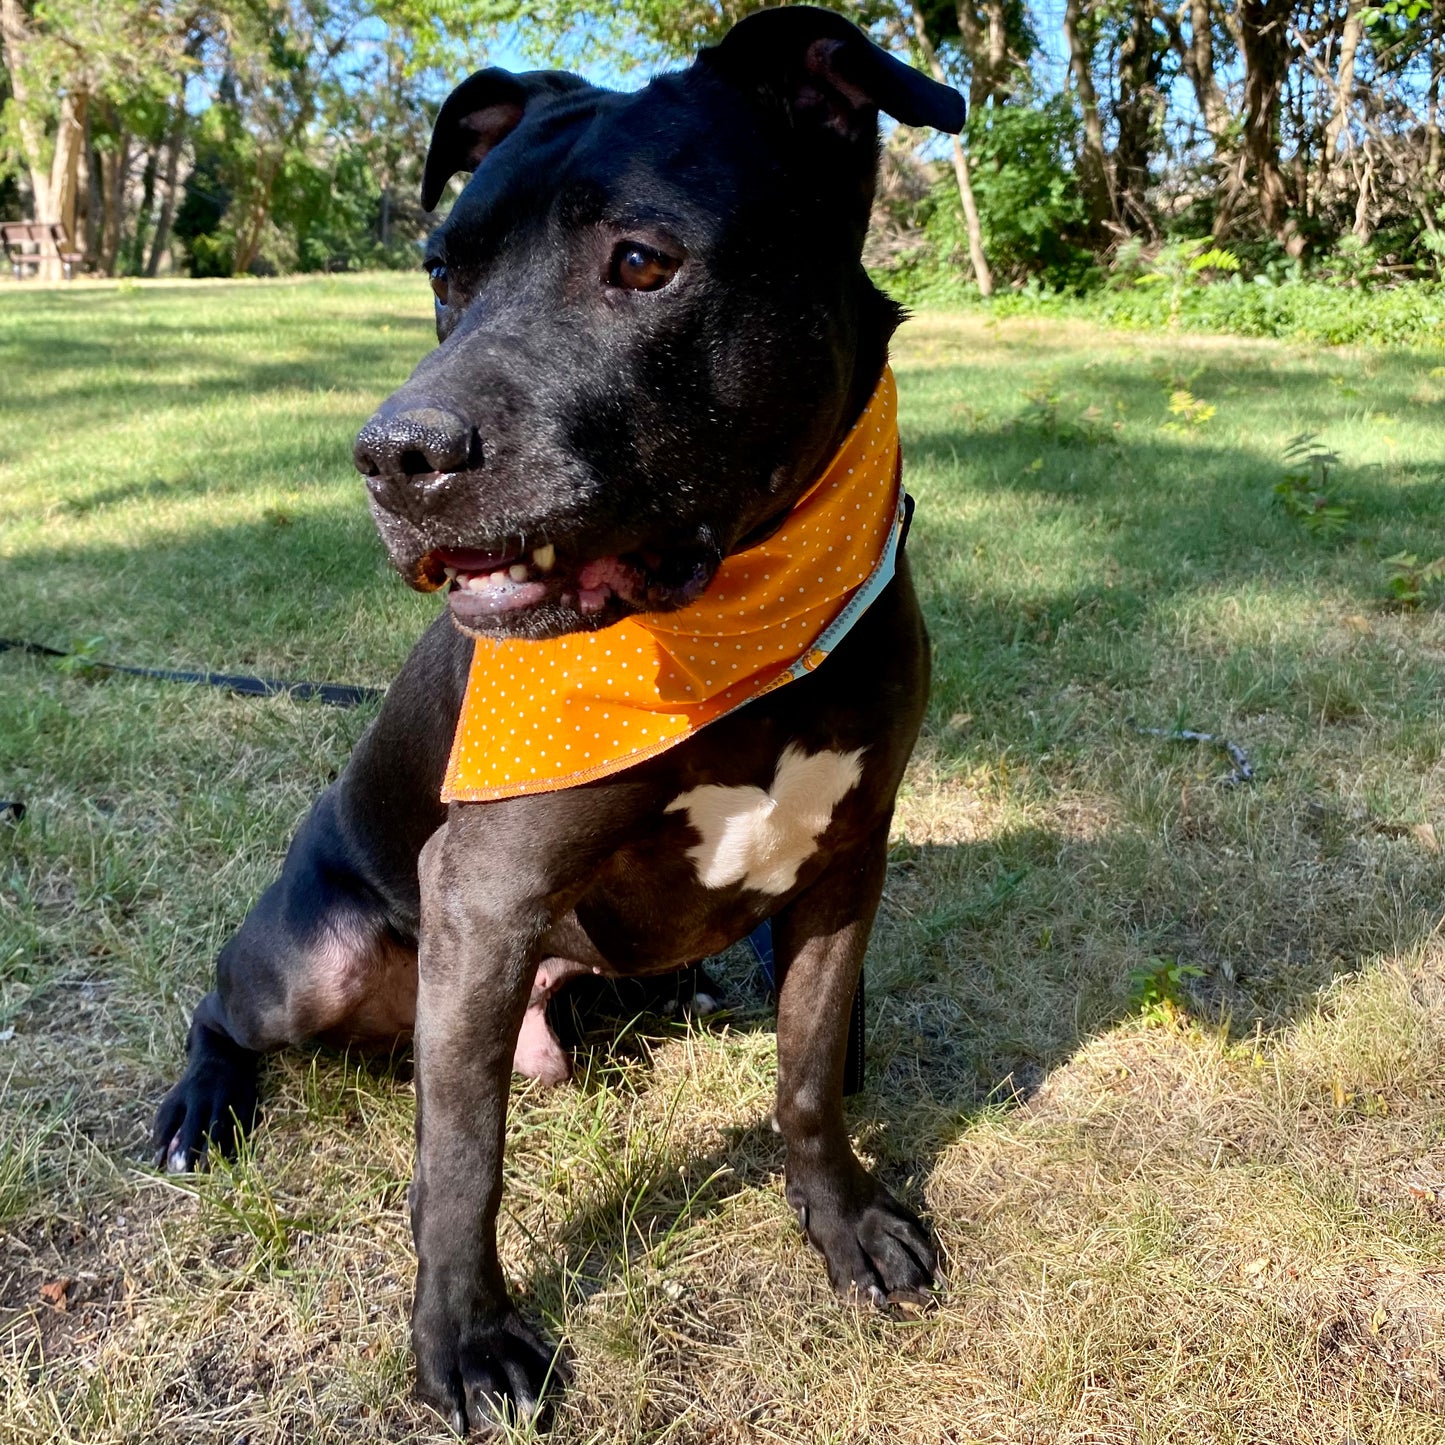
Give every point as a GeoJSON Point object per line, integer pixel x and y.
{"type": "Point", "coordinates": [761, 839]}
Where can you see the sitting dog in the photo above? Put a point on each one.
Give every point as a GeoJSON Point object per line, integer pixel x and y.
{"type": "Point", "coordinates": [653, 462]}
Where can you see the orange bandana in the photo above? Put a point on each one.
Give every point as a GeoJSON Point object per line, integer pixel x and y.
{"type": "Point", "coordinates": [541, 716]}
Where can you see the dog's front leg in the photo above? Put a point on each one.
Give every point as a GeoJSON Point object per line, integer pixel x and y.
{"type": "Point", "coordinates": [481, 919]}
{"type": "Point", "coordinates": [875, 1248]}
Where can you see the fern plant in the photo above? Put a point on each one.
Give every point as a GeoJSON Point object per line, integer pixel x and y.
{"type": "Point", "coordinates": [1304, 490]}
{"type": "Point", "coordinates": [1182, 264]}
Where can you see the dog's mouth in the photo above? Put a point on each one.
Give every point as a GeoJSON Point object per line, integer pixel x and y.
{"type": "Point", "coordinates": [541, 590]}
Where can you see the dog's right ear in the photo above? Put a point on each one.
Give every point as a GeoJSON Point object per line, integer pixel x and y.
{"type": "Point", "coordinates": [478, 115]}
{"type": "Point", "coordinates": [827, 74]}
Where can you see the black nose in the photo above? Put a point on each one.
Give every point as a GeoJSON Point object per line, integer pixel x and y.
{"type": "Point", "coordinates": [413, 443]}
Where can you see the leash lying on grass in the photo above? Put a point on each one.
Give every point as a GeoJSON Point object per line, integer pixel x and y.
{"type": "Point", "coordinates": [342, 694]}
{"type": "Point", "coordinates": [1243, 769]}
{"type": "Point", "coordinates": [333, 694]}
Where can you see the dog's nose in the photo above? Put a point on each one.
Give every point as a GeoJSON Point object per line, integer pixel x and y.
{"type": "Point", "coordinates": [414, 443]}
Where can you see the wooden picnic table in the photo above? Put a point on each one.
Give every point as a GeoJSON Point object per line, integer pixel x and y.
{"type": "Point", "coordinates": [27, 243]}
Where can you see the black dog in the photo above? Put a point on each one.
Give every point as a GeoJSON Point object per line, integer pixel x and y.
{"type": "Point", "coordinates": [655, 332]}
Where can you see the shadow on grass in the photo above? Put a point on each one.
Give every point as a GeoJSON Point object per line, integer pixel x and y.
{"type": "Point", "coordinates": [995, 958]}
{"type": "Point", "coordinates": [94, 370]}
{"type": "Point", "coordinates": [1218, 529]}
{"type": "Point", "coordinates": [980, 982]}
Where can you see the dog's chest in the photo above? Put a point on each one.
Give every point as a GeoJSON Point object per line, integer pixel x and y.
{"type": "Point", "coordinates": [759, 838]}
{"type": "Point", "coordinates": [722, 857]}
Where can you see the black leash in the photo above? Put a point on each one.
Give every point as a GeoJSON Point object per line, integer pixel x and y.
{"type": "Point", "coordinates": [345, 694]}
{"type": "Point", "coordinates": [333, 694]}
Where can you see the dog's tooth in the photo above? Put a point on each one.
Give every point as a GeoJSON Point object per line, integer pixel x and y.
{"type": "Point", "coordinates": [545, 557]}
{"type": "Point", "coordinates": [517, 571]}
{"type": "Point", "coordinates": [498, 578]}
{"type": "Point", "coordinates": [451, 573]}
{"type": "Point", "coordinates": [477, 582]}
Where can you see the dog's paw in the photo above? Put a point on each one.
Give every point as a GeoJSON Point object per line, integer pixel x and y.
{"type": "Point", "coordinates": [483, 1377]}
{"type": "Point", "coordinates": [877, 1250]}
{"type": "Point", "coordinates": [213, 1106]}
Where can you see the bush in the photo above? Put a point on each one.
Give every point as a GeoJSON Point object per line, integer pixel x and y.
{"type": "Point", "coordinates": [1030, 208]}
{"type": "Point", "coordinates": [1031, 212]}
{"type": "Point", "coordinates": [1297, 310]}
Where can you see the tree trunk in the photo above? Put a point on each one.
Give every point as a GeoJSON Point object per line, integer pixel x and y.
{"type": "Point", "coordinates": [52, 188]}
{"type": "Point", "coordinates": [971, 38]}
{"type": "Point", "coordinates": [1196, 56]}
{"type": "Point", "coordinates": [14, 40]}
{"type": "Point", "coordinates": [173, 169]}
{"type": "Point", "coordinates": [249, 234]}
{"type": "Point", "coordinates": [137, 256]}
{"type": "Point", "coordinates": [1362, 226]}
{"type": "Point", "coordinates": [114, 163]}
{"type": "Point", "coordinates": [1139, 73]}
{"type": "Point", "coordinates": [1264, 43]}
{"type": "Point", "coordinates": [1093, 163]}
{"type": "Point", "coordinates": [997, 52]}
{"type": "Point", "coordinates": [1432, 118]}
{"type": "Point", "coordinates": [1344, 86]}
{"type": "Point", "coordinates": [982, 272]}
{"type": "Point", "coordinates": [65, 164]}
{"type": "Point", "coordinates": [983, 33]}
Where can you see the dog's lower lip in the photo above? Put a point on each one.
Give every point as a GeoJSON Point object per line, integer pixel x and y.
{"type": "Point", "coordinates": [492, 595]}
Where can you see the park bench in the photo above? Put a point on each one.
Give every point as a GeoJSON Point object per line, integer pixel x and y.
{"type": "Point", "coordinates": [26, 243]}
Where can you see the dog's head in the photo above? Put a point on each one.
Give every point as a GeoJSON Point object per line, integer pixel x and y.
{"type": "Point", "coordinates": [654, 322]}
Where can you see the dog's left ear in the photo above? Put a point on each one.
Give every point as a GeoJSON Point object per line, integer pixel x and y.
{"type": "Point", "coordinates": [478, 116]}
{"type": "Point", "coordinates": [827, 72]}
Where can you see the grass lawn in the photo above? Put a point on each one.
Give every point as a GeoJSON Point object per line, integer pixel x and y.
{"type": "Point", "coordinates": [1163, 1059]}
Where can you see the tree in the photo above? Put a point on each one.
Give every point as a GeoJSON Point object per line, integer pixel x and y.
{"type": "Point", "coordinates": [982, 272]}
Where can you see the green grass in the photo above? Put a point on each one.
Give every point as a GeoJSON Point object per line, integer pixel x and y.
{"type": "Point", "coordinates": [1163, 1059]}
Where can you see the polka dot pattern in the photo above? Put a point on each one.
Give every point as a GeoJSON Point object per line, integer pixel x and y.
{"type": "Point", "coordinates": [540, 716]}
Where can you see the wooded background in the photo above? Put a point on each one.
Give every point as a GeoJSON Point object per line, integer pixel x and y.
{"type": "Point", "coordinates": [261, 136]}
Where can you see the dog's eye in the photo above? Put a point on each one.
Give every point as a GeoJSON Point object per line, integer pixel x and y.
{"type": "Point", "coordinates": [636, 267]}
{"type": "Point", "coordinates": [438, 275]}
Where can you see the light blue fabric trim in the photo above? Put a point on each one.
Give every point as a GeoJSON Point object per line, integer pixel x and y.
{"type": "Point", "coordinates": [861, 600]}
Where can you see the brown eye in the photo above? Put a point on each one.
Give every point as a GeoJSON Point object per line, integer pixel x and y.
{"type": "Point", "coordinates": [636, 267]}
{"type": "Point", "coordinates": [438, 276]}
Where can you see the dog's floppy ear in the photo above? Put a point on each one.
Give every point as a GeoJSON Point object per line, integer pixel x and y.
{"type": "Point", "coordinates": [478, 115]}
{"type": "Point", "coordinates": [826, 71]}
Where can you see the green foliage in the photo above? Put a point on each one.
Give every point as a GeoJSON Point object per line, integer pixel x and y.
{"type": "Point", "coordinates": [1189, 411]}
{"type": "Point", "coordinates": [1157, 989]}
{"type": "Point", "coordinates": [81, 657]}
{"type": "Point", "coordinates": [1351, 262]}
{"type": "Point", "coordinates": [1298, 310]}
{"type": "Point", "coordinates": [1183, 264]}
{"type": "Point", "coordinates": [1409, 582]}
{"type": "Point", "coordinates": [1304, 491]}
{"type": "Point", "coordinates": [1408, 10]}
{"type": "Point", "coordinates": [1031, 211]}
{"type": "Point", "coordinates": [1183, 261]}
{"type": "Point", "coordinates": [206, 246]}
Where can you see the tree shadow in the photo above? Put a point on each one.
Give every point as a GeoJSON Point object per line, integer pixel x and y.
{"type": "Point", "coordinates": [992, 963]}
{"type": "Point", "coordinates": [995, 957]}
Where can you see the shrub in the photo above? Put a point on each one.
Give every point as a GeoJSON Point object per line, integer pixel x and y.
{"type": "Point", "coordinates": [1030, 209]}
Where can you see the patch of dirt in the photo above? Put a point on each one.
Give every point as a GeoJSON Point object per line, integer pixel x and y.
{"type": "Point", "coordinates": [1387, 1327]}
{"type": "Point", "coordinates": [63, 1286]}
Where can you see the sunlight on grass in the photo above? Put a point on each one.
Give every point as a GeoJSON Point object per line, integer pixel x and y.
{"type": "Point", "coordinates": [1162, 1057]}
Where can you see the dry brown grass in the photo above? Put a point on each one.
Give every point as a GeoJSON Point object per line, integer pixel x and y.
{"type": "Point", "coordinates": [1215, 1215]}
